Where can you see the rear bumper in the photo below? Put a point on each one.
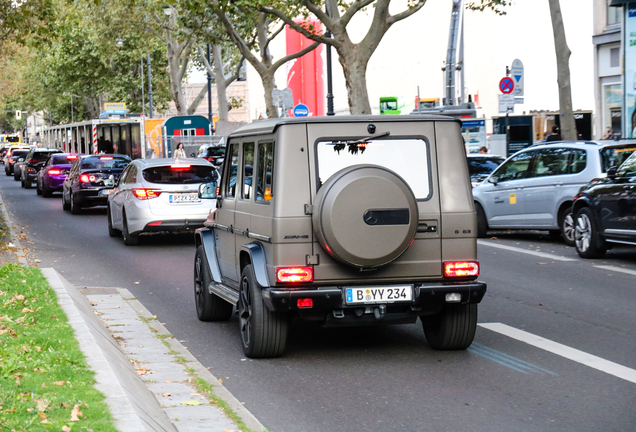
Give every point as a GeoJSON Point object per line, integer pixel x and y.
{"type": "Point", "coordinates": [91, 197]}
{"type": "Point", "coordinates": [55, 183]}
{"type": "Point", "coordinates": [173, 225]}
{"type": "Point", "coordinates": [329, 303]}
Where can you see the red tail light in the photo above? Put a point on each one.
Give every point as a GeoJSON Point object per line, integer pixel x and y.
{"type": "Point", "coordinates": [71, 157]}
{"type": "Point", "coordinates": [144, 194]}
{"type": "Point", "coordinates": [180, 167]}
{"type": "Point", "coordinates": [461, 268]}
{"type": "Point", "coordinates": [10, 160]}
{"type": "Point", "coordinates": [305, 303]}
{"type": "Point", "coordinates": [106, 158]}
{"type": "Point", "coordinates": [33, 161]}
{"type": "Point", "coordinates": [294, 274]}
{"type": "Point", "coordinates": [54, 171]}
{"type": "Point", "coordinates": [154, 223]}
{"type": "Point", "coordinates": [85, 178]}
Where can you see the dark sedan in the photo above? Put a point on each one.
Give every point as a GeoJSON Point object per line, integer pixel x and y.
{"type": "Point", "coordinates": [52, 175]}
{"type": "Point", "coordinates": [33, 163]}
{"type": "Point", "coordinates": [91, 179]}
{"type": "Point", "coordinates": [12, 161]}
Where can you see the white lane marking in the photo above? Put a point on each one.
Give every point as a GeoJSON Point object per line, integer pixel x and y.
{"type": "Point", "coordinates": [564, 351]}
{"type": "Point", "coordinates": [617, 269]}
{"type": "Point", "coordinates": [526, 251]}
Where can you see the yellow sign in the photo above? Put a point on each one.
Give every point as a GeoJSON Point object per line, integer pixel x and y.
{"type": "Point", "coordinates": [513, 198]}
{"type": "Point", "coordinates": [114, 106]}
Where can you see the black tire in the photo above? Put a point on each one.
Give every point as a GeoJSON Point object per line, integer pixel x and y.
{"type": "Point", "coordinates": [111, 231]}
{"type": "Point", "coordinates": [482, 222]}
{"type": "Point", "coordinates": [567, 226]}
{"type": "Point", "coordinates": [6, 171]}
{"type": "Point", "coordinates": [587, 242]}
{"type": "Point", "coordinates": [263, 333]}
{"type": "Point", "coordinates": [22, 183]}
{"type": "Point", "coordinates": [16, 177]}
{"type": "Point", "coordinates": [46, 192]}
{"type": "Point", "coordinates": [27, 184]}
{"type": "Point", "coordinates": [129, 239]}
{"type": "Point", "coordinates": [210, 307]}
{"type": "Point", "coordinates": [76, 205]}
{"type": "Point", "coordinates": [37, 187]}
{"type": "Point", "coordinates": [65, 205]}
{"type": "Point", "coordinates": [453, 328]}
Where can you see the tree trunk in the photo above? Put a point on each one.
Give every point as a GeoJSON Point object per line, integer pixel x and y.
{"type": "Point", "coordinates": [175, 81]}
{"type": "Point", "coordinates": [355, 73]}
{"type": "Point", "coordinates": [219, 78]}
{"type": "Point", "coordinates": [267, 76]}
{"type": "Point", "coordinates": [568, 126]}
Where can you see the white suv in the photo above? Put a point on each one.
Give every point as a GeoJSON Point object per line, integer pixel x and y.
{"type": "Point", "coordinates": [535, 188]}
{"type": "Point", "coordinates": [160, 195]}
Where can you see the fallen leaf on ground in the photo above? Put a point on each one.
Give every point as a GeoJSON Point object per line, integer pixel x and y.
{"type": "Point", "coordinates": [191, 402]}
{"type": "Point", "coordinates": [58, 383]}
{"type": "Point", "coordinates": [41, 404]}
{"type": "Point", "coordinates": [75, 413]}
{"type": "Point", "coordinates": [66, 429]}
{"type": "Point", "coordinates": [42, 415]}
{"type": "Point", "coordinates": [165, 394]}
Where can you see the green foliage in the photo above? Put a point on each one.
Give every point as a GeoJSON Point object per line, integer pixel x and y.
{"type": "Point", "coordinates": [496, 6]}
{"type": "Point", "coordinates": [45, 383]}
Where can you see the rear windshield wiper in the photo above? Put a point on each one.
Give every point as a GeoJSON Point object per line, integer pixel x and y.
{"type": "Point", "coordinates": [355, 146]}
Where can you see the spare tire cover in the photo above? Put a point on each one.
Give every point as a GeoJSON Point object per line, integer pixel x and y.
{"type": "Point", "coordinates": [365, 216]}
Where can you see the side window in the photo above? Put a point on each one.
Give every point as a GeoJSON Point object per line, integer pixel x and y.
{"type": "Point", "coordinates": [248, 167]}
{"type": "Point", "coordinates": [628, 168]}
{"type": "Point", "coordinates": [123, 179]}
{"type": "Point", "coordinates": [132, 175]}
{"type": "Point", "coordinates": [230, 186]}
{"type": "Point", "coordinates": [551, 162]}
{"type": "Point", "coordinates": [516, 168]}
{"type": "Point", "coordinates": [578, 161]}
{"type": "Point", "coordinates": [265, 173]}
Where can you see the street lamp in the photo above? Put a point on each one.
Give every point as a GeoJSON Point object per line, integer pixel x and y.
{"type": "Point", "coordinates": [330, 111]}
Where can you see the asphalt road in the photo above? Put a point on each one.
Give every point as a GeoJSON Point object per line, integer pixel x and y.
{"type": "Point", "coordinates": [555, 350]}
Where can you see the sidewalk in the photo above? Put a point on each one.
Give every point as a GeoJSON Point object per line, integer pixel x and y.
{"type": "Point", "coordinates": [151, 382]}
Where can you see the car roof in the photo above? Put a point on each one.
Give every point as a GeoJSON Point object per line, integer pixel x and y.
{"type": "Point", "coordinates": [476, 156]}
{"type": "Point", "coordinates": [270, 125]}
{"type": "Point", "coordinates": [147, 163]}
{"type": "Point", "coordinates": [586, 144]}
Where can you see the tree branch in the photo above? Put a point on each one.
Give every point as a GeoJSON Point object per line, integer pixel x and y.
{"type": "Point", "coordinates": [197, 100]}
{"type": "Point", "coordinates": [229, 80]}
{"type": "Point", "coordinates": [299, 28]}
{"type": "Point", "coordinates": [407, 13]}
{"type": "Point", "coordinates": [300, 53]}
{"type": "Point", "coordinates": [353, 9]}
{"type": "Point", "coordinates": [273, 35]}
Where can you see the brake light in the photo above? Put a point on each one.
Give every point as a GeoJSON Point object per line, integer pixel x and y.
{"type": "Point", "coordinates": [33, 160]}
{"type": "Point", "coordinates": [305, 303]}
{"type": "Point", "coordinates": [54, 171]}
{"type": "Point", "coordinates": [71, 157]}
{"type": "Point", "coordinates": [85, 178]}
{"type": "Point", "coordinates": [294, 274]}
{"type": "Point", "coordinates": [180, 167]}
{"type": "Point", "coordinates": [106, 158]}
{"type": "Point", "coordinates": [10, 160]}
{"type": "Point", "coordinates": [144, 194]}
{"type": "Point", "coordinates": [461, 268]}
{"type": "Point", "coordinates": [154, 223]}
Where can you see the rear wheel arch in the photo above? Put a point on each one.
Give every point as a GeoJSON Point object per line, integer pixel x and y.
{"type": "Point", "coordinates": [245, 259]}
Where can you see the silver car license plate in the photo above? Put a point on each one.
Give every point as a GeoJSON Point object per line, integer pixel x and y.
{"type": "Point", "coordinates": [371, 295]}
{"type": "Point", "coordinates": [185, 198]}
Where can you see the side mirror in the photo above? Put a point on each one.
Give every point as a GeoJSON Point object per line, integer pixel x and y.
{"type": "Point", "coordinates": [21, 160]}
{"type": "Point", "coordinates": [207, 190]}
{"type": "Point", "coordinates": [192, 155]}
{"type": "Point", "coordinates": [611, 173]}
{"type": "Point", "coordinates": [494, 180]}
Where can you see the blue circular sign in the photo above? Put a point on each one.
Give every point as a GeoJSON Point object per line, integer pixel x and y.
{"type": "Point", "coordinates": [301, 110]}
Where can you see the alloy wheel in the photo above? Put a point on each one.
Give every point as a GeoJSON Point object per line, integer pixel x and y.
{"type": "Point", "coordinates": [569, 231]}
{"type": "Point", "coordinates": [198, 288]}
{"type": "Point", "coordinates": [583, 233]}
{"type": "Point", "coordinates": [245, 312]}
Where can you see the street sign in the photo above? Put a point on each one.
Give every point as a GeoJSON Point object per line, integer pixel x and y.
{"type": "Point", "coordinates": [519, 100]}
{"type": "Point", "coordinates": [301, 110]}
{"type": "Point", "coordinates": [506, 104]}
{"type": "Point", "coordinates": [516, 71]}
{"type": "Point", "coordinates": [18, 115]}
{"type": "Point", "coordinates": [506, 85]}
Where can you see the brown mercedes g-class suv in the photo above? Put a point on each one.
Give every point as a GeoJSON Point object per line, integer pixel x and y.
{"type": "Point", "coordinates": [351, 220]}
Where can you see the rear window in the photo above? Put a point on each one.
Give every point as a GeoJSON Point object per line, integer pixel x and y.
{"type": "Point", "coordinates": [407, 157]}
{"type": "Point", "coordinates": [169, 175]}
{"type": "Point", "coordinates": [614, 156]}
{"type": "Point", "coordinates": [19, 153]}
{"type": "Point", "coordinates": [40, 156]}
{"type": "Point", "coordinates": [104, 162]}
{"type": "Point", "coordinates": [213, 152]}
{"type": "Point", "coordinates": [477, 166]}
{"type": "Point", "coordinates": [62, 160]}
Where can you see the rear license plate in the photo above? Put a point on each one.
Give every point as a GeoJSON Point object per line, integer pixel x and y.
{"type": "Point", "coordinates": [105, 191]}
{"type": "Point", "coordinates": [184, 198]}
{"type": "Point", "coordinates": [369, 295]}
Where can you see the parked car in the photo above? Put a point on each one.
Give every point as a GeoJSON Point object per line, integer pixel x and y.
{"type": "Point", "coordinates": [213, 153]}
{"type": "Point", "coordinates": [481, 165]}
{"type": "Point", "coordinates": [51, 177]}
{"type": "Point", "coordinates": [7, 155]}
{"type": "Point", "coordinates": [160, 195]}
{"type": "Point", "coordinates": [535, 188]}
{"type": "Point", "coordinates": [14, 161]}
{"type": "Point", "coordinates": [33, 163]}
{"type": "Point", "coordinates": [91, 179]}
{"type": "Point", "coordinates": [606, 211]}
{"type": "Point", "coordinates": [341, 231]}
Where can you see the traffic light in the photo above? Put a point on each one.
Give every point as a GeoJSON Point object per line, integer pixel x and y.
{"type": "Point", "coordinates": [18, 115]}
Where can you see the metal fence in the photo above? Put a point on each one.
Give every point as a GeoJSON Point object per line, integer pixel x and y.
{"type": "Point", "coordinates": [164, 146]}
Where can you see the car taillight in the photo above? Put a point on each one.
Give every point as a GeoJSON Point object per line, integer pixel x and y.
{"type": "Point", "coordinates": [71, 157]}
{"type": "Point", "coordinates": [85, 178]}
{"type": "Point", "coordinates": [144, 194]}
{"type": "Point", "coordinates": [54, 171]}
{"type": "Point", "coordinates": [106, 158]}
{"type": "Point", "coordinates": [294, 274]}
{"type": "Point", "coordinates": [461, 268]}
{"type": "Point", "coordinates": [33, 160]}
{"type": "Point", "coordinates": [305, 303]}
{"type": "Point", "coordinates": [10, 160]}
{"type": "Point", "coordinates": [180, 167]}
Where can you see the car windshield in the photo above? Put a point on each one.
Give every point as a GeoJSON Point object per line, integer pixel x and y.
{"type": "Point", "coordinates": [407, 157]}
{"type": "Point", "coordinates": [63, 159]}
{"type": "Point", "coordinates": [486, 165]}
{"type": "Point", "coordinates": [187, 174]}
{"type": "Point", "coordinates": [615, 155]}
{"type": "Point", "coordinates": [105, 162]}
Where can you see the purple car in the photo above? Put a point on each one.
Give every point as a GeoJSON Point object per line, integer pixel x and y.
{"type": "Point", "coordinates": [53, 173]}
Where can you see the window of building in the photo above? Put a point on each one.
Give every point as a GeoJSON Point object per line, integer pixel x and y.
{"type": "Point", "coordinates": [614, 15]}
{"type": "Point", "coordinates": [614, 57]}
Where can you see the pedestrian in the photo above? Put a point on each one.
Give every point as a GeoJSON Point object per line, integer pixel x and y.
{"type": "Point", "coordinates": [179, 152]}
{"type": "Point", "coordinates": [609, 134]}
{"type": "Point", "coordinates": [555, 135]}
{"type": "Point", "coordinates": [483, 150]}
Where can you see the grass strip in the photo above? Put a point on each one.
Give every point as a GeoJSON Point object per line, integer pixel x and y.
{"type": "Point", "coordinates": [45, 383]}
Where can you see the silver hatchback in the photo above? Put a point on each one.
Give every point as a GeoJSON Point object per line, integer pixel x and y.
{"type": "Point", "coordinates": [161, 195]}
{"type": "Point", "coordinates": [535, 188]}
